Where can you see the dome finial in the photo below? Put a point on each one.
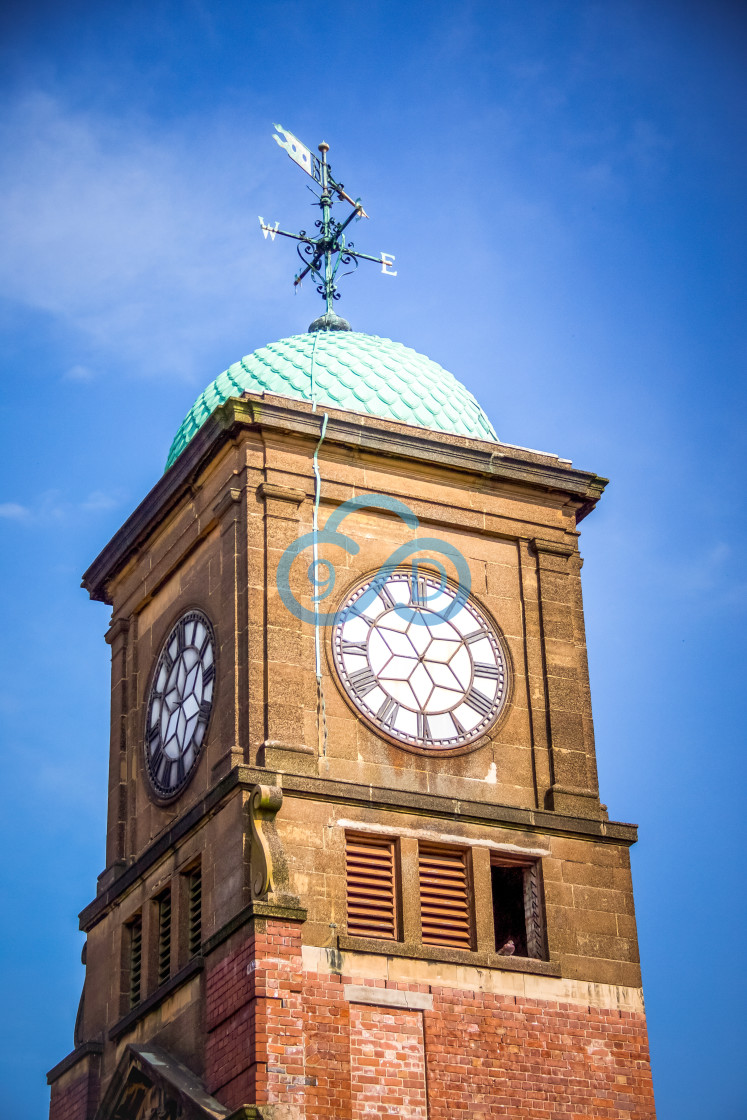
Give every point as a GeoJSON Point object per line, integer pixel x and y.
{"type": "Point", "coordinates": [323, 255]}
{"type": "Point", "coordinates": [329, 321]}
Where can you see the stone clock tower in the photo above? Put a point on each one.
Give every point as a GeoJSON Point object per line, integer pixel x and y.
{"type": "Point", "coordinates": [356, 861]}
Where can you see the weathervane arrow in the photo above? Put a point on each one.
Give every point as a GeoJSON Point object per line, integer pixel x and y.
{"type": "Point", "coordinates": [299, 153]}
{"type": "Point", "coordinates": [323, 255]}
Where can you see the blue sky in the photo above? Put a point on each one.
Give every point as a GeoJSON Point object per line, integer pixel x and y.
{"type": "Point", "coordinates": [563, 187]}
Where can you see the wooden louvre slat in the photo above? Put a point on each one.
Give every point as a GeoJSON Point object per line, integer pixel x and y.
{"type": "Point", "coordinates": [371, 897]}
{"type": "Point", "coordinates": [136, 959]}
{"type": "Point", "coordinates": [164, 937]}
{"type": "Point", "coordinates": [194, 939]}
{"type": "Point", "coordinates": [444, 897]}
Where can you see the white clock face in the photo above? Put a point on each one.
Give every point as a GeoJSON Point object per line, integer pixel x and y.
{"type": "Point", "coordinates": [427, 681]}
{"type": "Point", "coordinates": [181, 699]}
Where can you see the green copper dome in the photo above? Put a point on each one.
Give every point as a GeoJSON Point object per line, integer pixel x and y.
{"type": "Point", "coordinates": [347, 370]}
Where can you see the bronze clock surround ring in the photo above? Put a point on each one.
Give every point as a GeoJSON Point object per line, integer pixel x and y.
{"type": "Point", "coordinates": [486, 734]}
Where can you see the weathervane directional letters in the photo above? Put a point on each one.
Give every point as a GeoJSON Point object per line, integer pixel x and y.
{"type": "Point", "coordinates": [322, 255]}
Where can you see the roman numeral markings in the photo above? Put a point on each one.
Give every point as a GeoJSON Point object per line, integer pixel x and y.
{"type": "Point", "coordinates": [160, 764]}
{"type": "Point", "coordinates": [488, 672]}
{"type": "Point", "coordinates": [419, 590]}
{"type": "Point", "coordinates": [208, 673]}
{"type": "Point", "coordinates": [460, 730]}
{"type": "Point", "coordinates": [388, 712]}
{"type": "Point", "coordinates": [363, 681]}
{"type": "Point", "coordinates": [386, 597]}
{"type": "Point", "coordinates": [355, 648]}
{"type": "Point", "coordinates": [424, 731]}
{"type": "Point", "coordinates": [476, 637]}
{"type": "Point", "coordinates": [478, 702]}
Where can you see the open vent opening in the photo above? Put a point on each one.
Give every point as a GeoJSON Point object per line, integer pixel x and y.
{"type": "Point", "coordinates": [517, 912]}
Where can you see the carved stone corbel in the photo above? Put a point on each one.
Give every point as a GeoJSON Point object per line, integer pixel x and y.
{"type": "Point", "coordinates": [268, 871]}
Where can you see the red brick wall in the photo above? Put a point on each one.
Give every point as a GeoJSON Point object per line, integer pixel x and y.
{"type": "Point", "coordinates": [75, 1099]}
{"type": "Point", "coordinates": [254, 1020]}
{"type": "Point", "coordinates": [492, 1055]}
{"type": "Point", "coordinates": [383, 1039]}
{"type": "Point", "coordinates": [277, 1036]}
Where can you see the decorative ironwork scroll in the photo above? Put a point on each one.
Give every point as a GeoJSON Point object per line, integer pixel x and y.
{"type": "Point", "coordinates": [322, 254]}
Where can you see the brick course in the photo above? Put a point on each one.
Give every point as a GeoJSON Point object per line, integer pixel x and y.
{"type": "Point", "coordinates": [281, 1036]}
{"type": "Point", "coordinates": [75, 1097]}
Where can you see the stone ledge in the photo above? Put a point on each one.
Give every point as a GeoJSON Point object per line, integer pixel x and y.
{"type": "Point", "coordinates": [349, 793]}
{"type": "Point", "coordinates": [500, 462]}
{"type": "Point", "coordinates": [289, 494]}
{"type": "Point", "coordinates": [192, 968]}
{"type": "Point", "coordinates": [256, 909]}
{"type": "Point", "coordinates": [130, 873]}
{"type": "Point", "coordinates": [85, 1050]}
{"type": "Point", "coordinates": [294, 757]}
{"type": "Point", "coordinates": [450, 956]}
{"type": "Point", "coordinates": [387, 997]}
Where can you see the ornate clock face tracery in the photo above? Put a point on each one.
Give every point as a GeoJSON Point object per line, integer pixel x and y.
{"type": "Point", "coordinates": [181, 699]}
{"type": "Point", "coordinates": [430, 682]}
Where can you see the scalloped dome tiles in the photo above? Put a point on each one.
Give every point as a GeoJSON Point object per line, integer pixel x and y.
{"type": "Point", "coordinates": [352, 371]}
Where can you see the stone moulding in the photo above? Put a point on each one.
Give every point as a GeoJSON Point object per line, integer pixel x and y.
{"type": "Point", "coordinates": [513, 465]}
{"type": "Point", "coordinates": [155, 999]}
{"type": "Point", "coordinates": [85, 1050]}
{"type": "Point", "coordinates": [388, 997]}
{"type": "Point", "coordinates": [348, 793]}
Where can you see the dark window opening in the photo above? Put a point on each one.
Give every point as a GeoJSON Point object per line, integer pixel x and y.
{"type": "Point", "coordinates": [517, 917]}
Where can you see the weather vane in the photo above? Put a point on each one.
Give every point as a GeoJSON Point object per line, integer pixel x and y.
{"type": "Point", "coordinates": [322, 255]}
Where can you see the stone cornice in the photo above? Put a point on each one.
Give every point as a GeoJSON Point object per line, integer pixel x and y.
{"type": "Point", "coordinates": [431, 806]}
{"type": "Point", "coordinates": [272, 414]}
{"type": "Point", "coordinates": [155, 999]}
{"type": "Point", "coordinates": [85, 1050]}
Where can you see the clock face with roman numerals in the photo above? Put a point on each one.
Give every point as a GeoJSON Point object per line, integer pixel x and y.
{"type": "Point", "coordinates": [181, 699]}
{"type": "Point", "coordinates": [425, 667]}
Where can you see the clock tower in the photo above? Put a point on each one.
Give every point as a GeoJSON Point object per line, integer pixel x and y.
{"type": "Point", "coordinates": [356, 860]}
{"type": "Point", "coordinates": [357, 865]}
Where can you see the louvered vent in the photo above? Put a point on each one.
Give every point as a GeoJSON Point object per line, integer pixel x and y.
{"type": "Point", "coordinates": [136, 959]}
{"type": "Point", "coordinates": [444, 897]}
{"type": "Point", "coordinates": [194, 907]}
{"type": "Point", "coordinates": [164, 937]}
{"type": "Point", "coordinates": [371, 897]}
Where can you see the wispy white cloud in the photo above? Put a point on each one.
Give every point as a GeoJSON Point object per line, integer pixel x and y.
{"type": "Point", "coordinates": [139, 238]}
{"type": "Point", "coordinates": [52, 508]}
{"type": "Point", "coordinates": [13, 511]}
{"type": "Point", "coordinates": [98, 500]}
{"type": "Point", "coordinates": [79, 373]}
